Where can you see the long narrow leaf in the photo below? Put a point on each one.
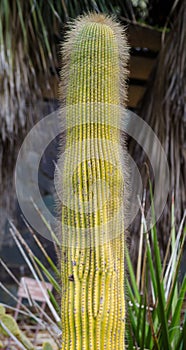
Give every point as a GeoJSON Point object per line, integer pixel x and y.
{"type": "Point", "coordinates": [132, 276]}
{"type": "Point", "coordinates": [177, 314]}
{"type": "Point", "coordinates": [48, 275]}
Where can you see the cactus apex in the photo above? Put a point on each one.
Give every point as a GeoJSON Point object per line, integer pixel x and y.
{"type": "Point", "coordinates": [112, 27]}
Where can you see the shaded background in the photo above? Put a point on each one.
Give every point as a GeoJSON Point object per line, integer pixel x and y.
{"type": "Point", "coordinates": [30, 37]}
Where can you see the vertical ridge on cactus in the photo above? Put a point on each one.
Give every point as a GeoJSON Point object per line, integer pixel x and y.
{"type": "Point", "coordinates": [92, 186]}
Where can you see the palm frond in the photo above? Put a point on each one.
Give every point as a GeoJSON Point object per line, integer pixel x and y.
{"type": "Point", "coordinates": [163, 108]}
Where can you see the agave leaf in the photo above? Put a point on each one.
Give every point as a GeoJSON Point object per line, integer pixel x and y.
{"type": "Point", "coordinates": [27, 311]}
{"type": "Point", "coordinates": [54, 302]}
{"type": "Point", "coordinates": [48, 258]}
{"type": "Point", "coordinates": [139, 316]}
{"type": "Point", "coordinates": [182, 337]}
{"type": "Point", "coordinates": [161, 308]}
{"type": "Point", "coordinates": [44, 252]}
{"type": "Point", "coordinates": [173, 259]}
{"type": "Point", "coordinates": [47, 225]}
{"type": "Point", "coordinates": [14, 232]}
{"type": "Point", "coordinates": [132, 275]}
{"type": "Point", "coordinates": [23, 24]}
{"type": "Point", "coordinates": [9, 271]}
{"type": "Point", "coordinates": [143, 324]}
{"type": "Point", "coordinates": [176, 317]}
{"type": "Point", "coordinates": [48, 275]}
{"type": "Point", "coordinates": [175, 278]}
{"type": "Point", "coordinates": [154, 236]}
{"type": "Point", "coordinates": [132, 301]}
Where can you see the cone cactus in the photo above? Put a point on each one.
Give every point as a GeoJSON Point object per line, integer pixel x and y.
{"type": "Point", "coordinates": [92, 185]}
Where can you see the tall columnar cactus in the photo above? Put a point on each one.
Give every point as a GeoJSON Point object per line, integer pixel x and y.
{"type": "Point", "coordinates": [92, 186]}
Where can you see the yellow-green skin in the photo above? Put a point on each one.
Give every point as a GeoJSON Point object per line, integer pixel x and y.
{"type": "Point", "coordinates": [13, 327]}
{"type": "Point", "coordinates": [10, 323]}
{"type": "Point", "coordinates": [92, 264]}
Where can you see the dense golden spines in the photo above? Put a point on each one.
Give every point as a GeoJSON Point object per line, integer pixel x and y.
{"type": "Point", "coordinates": [92, 266]}
{"type": "Point", "coordinates": [89, 78]}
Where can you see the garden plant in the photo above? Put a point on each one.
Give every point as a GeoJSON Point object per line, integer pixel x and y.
{"type": "Point", "coordinates": [101, 307]}
{"type": "Point", "coordinates": [92, 186]}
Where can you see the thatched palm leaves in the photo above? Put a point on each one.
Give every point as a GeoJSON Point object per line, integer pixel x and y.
{"type": "Point", "coordinates": [163, 108]}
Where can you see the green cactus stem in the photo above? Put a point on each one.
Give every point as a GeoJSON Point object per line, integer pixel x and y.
{"type": "Point", "coordinates": [13, 327]}
{"type": "Point", "coordinates": [92, 186]}
{"type": "Point", "coordinates": [47, 346]}
{"type": "Point", "coordinates": [2, 310]}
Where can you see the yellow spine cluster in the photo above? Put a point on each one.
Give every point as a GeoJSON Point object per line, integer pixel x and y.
{"type": "Point", "coordinates": [92, 256]}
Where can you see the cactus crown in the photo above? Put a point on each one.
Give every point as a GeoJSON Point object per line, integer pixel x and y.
{"type": "Point", "coordinates": [100, 34]}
